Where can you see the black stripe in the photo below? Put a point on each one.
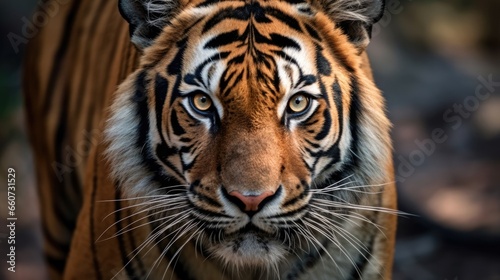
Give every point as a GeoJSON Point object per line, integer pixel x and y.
{"type": "Point", "coordinates": [275, 40]}
{"type": "Point", "coordinates": [240, 13]}
{"type": "Point", "coordinates": [196, 79]}
{"type": "Point", "coordinates": [313, 145]}
{"type": "Point", "coordinates": [176, 126]}
{"type": "Point", "coordinates": [75, 190]}
{"type": "Point", "coordinates": [252, 9]}
{"type": "Point", "coordinates": [63, 205]}
{"type": "Point", "coordinates": [222, 39]}
{"type": "Point", "coordinates": [334, 151]}
{"type": "Point", "coordinates": [163, 151]}
{"type": "Point", "coordinates": [283, 42]}
{"type": "Point", "coordinates": [290, 213]}
{"type": "Point", "coordinates": [162, 53]}
{"type": "Point", "coordinates": [339, 55]}
{"type": "Point", "coordinates": [324, 67]}
{"type": "Point", "coordinates": [190, 165]}
{"type": "Point", "coordinates": [337, 98]}
{"type": "Point", "coordinates": [126, 261]}
{"type": "Point", "coordinates": [179, 270]}
{"type": "Point", "coordinates": [325, 128]}
{"type": "Point", "coordinates": [49, 238]}
{"type": "Point", "coordinates": [175, 66]}
{"type": "Point", "coordinates": [161, 88]}
{"type": "Point", "coordinates": [306, 10]}
{"type": "Point", "coordinates": [82, 86]}
{"type": "Point", "coordinates": [207, 200]}
{"type": "Point", "coordinates": [61, 52]}
{"type": "Point", "coordinates": [362, 261]}
{"type": "Point", "coordinates": [133, 246]}
{"type": "Point", "coordinates": [306, 262]}
{"type": "Point", "coordinates": [312, 32]}
{"type": "Point", "coordinates": [295, 1]}
{"type": "Point", "coordinates": [309, 168]}
{"type": "Point", "coordinates": [228, 79]}
{"type": "Point", "coordinates": [93, 240]}
{"type": "Point", "coordinates": [285, 18]}
{"type": "Point", "coordinates": [288, 58]}
{"type": "Point", "coordinates": [143, 143]}
{"type": "Point", "coordinates": [70, 188]}
{"type": "Point", "coordinates": [297, 198]}
{"type": "Point", "coordinates": [207, 3]}
{"type": "Point", "coordinates": [208, 213]}
{"type": "Point", "coordinates": [355, 111]}
{"type": "Point", "coordinates": [140, 98]}
{"type": "Point", "coordinates": [57, 264]}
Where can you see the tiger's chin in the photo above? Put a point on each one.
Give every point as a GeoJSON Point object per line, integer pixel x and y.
{"type": "Point", "coordinates": [249, 250]}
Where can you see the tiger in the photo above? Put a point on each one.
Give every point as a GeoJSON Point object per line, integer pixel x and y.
{"type": "Point", "coordinates": [211, 139]}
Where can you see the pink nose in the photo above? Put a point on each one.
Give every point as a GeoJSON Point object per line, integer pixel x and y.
{"type": "Point", "coordinates": [251, 202]}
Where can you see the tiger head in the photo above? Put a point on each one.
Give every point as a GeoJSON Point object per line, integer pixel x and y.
{"type": "Point", "coordinates": [241, 112]}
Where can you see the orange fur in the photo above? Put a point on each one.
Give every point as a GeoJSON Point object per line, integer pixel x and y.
{"type": "Point", "coordinates": [71, 91]}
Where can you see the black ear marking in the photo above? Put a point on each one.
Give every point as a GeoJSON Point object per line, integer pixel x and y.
{"type": "Point", "coordinates": [355, 18]}
{"type": "Point", "coordinates": [358, 33]}
{"type": "Point", "coordinates": [146, 18]}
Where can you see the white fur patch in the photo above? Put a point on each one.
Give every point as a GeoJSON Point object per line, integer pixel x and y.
{"type": "Point", "coordinates": [121, 133]}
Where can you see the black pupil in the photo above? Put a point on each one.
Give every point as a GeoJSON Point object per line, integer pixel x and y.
{"type": "Point", "coordinates": [298, 100]}
{"type": "Point", "coordinates": [203, 99]}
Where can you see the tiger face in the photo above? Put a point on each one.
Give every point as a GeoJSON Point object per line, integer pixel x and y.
{"type": "Point", "coordinates": [240, 113]}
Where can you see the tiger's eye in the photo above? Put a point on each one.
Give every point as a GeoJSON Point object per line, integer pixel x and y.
{"type": "Point", "coordinates": [202, 102]}
{"type": "Point", "coordinates": [298, 103]}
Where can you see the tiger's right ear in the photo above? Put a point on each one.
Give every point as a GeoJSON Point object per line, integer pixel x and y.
{"type": "Point", "coordinates": [146, 18]}
{"type": "Point", "coordinates": [355, 18]}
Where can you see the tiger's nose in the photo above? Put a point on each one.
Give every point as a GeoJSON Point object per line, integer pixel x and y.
{"type": "Point", "coordinates": [251, 203]}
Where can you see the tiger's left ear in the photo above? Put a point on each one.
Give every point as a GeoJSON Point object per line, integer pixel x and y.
{"type": "Point", "coordinates": [355, 18]}
{"type": "Point", "coordinates": [146, 18]}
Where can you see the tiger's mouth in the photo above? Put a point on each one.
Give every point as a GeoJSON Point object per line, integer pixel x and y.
{"type": "Point", "coordinates": [251, 228]}
{"type": "Point", "coordinates": [243, 235]}
{"type": "Point", "coordinates": [251, 231]}
{"type": "Point", "coordinates": [249, 246]}
{"type": "Point", "coordinates": [252, 245]}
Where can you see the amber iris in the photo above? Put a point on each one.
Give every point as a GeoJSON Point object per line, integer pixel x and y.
{"type": "Point", "coordinates": [202, 102]}
{"type": "Point", "coordinates": [298, 103]}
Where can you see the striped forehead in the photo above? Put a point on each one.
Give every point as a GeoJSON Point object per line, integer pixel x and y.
{"type": "Point", "coordinates": [229, 38]}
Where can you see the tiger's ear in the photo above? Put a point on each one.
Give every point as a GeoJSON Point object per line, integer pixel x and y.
{"type": "Point", "coordinates": [146, 18]}
{"type": "Point", "coordinates": [355, 18]}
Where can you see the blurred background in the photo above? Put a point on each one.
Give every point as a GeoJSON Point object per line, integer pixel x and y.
{"type": "Point", "coordinates": [438, 64]}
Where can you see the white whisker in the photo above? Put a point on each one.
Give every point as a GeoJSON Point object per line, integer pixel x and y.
{"type": "Point", "coordinates": [128, 229]}
{"type": "Point", "coordinates": [134, 214]}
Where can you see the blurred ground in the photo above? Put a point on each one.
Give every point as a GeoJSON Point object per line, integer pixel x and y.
{"type": "Point", "coordinates": [429, 62]}
{"type": "Point", "coordinates": [428, 57]}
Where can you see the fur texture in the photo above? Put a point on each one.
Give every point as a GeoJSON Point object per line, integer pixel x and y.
{"type": "Point", "coordinates": [169, 189]}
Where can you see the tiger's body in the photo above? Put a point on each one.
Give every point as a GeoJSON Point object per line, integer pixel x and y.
{"type": "Point", "coordinates": [246, 140]}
